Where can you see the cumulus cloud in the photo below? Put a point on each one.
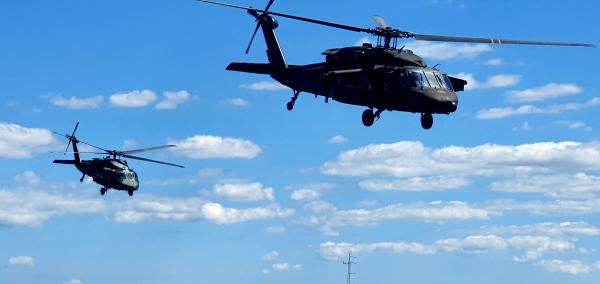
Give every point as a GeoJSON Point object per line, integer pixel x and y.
{"type": "Point", "coordinates": [32, 208]}
{"type": "Point", "coordinates": [537, 207]}
{"type": "Point", "coordinates": [284, 266]}
{"type": "Point", "coordinates": [498, 113]}
{"type": "Point", "coordinates": [338, 139]}
{"type": "Point", "coordinates": [18, 142]}
{"type": "Point", "coordinates": [573, 267]}
{"type": "Point", "coordinates": [568, 229]}
{"type": "Point", "coordinates": [310, 192]}
{"type": "Point", "coordinates": [413, 159]}
{"type": "Point", "coordinates": [560, 186]}
{"type": "Point", "coordinates": [20, 261]}
{"type": "Point", "coordinates": [416, 184]}
{"type": "Point", "coordinates": [329, 218]}
{"type": "Point", "coordinates": [446, 51]}
{"type": "Point", "coordinates": [495, 62]}
{"type": "Point", "coordinates": [495, 81]}
{"type": "Point", "coordinates": [530, 247]}
{"type": "Point", "coordinates": [136, 98]}
{"type": "Point", "coordinates": [190, 209]}
{"type": "Point", "coordinates": [76, 102]}
{"type": "Point", "coordinates": [244, 192]}
{"type": "Point", "coordinates": [215, 147]}
{"type": "Point", "coordinates": [236, 102]}
{"type": "Point", "coordinates": [173, 99]}
{"type": "Point", "coordinates": [550, 91]}
{"type": "Point", "coordinates": [272, 255]}
{"type": "Point", "coordinates": [264, 86]}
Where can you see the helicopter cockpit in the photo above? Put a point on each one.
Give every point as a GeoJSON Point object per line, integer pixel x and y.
{"type": "Point", "coordinates": [427, 78]}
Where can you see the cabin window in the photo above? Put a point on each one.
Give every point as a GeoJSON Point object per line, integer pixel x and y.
{"type": "Point", "coordinates": [417, 79]}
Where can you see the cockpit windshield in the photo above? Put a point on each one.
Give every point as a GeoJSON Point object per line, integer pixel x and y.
{"type": "Point", "coordinates": [429, 79]}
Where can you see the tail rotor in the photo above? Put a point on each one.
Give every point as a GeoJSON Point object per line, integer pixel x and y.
{"type": "Point", "coordinates": [255, 14]}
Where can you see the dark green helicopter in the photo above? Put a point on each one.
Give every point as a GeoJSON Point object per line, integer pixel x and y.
{"type": "Point", "coordinates": [381, 77]}
{"type": "Point", "coordinates": [110, 171]}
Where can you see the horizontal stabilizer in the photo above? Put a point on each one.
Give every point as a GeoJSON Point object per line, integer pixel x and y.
{"type": "Point", "coordinates": [256, 68]}
{"type": "Point", "coordinates": [66, 162]}
{"type": "Point", "coordinates": [457, 84]}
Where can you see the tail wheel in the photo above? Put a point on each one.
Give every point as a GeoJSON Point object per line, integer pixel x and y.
{"type": "Point", "coordinates": [426, 120]}
{"type": "Point", "coordinates": [368, 117]}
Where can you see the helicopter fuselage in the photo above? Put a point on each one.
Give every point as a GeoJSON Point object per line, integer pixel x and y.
{"type": "Point", "coordinates": [110, 173]}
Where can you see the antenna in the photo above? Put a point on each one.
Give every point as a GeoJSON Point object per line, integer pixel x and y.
{"type": "Point", "coordinates": [349, 264]}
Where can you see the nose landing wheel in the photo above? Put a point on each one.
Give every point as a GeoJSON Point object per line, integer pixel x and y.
{"type": "Point", "coordinates": [130, 192]}
{"type": "Point", "coordinates": [426, 120]}
{"type": "Point", "coordinates": [103, 190]}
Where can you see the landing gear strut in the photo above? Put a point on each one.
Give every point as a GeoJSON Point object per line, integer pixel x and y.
{"type": "Point", "coordinates": [290, 104]}
{"type": "Point", "coordinates": [103, 190]}
{"type": "Point", "coordinates": [368, 116]}
{"type": "Point", "coordinates": [426, 120]}
{"type": "Point", "coordinates": [82, 177]}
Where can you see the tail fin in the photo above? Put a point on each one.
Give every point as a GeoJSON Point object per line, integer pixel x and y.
{"type": "Point", "coordinates": [72, 140]}
{"type": "Point", "coordinates": [268, 25]}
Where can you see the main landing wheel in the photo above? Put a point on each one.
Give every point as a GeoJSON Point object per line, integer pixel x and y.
{"type": "Point", "coordinates": [290, 106]}
{"type": "Point", "coordinates": [368, 117]}
{"type": "Point", "coordinates": [130, 192]}
{"type": "Point", "coordinates": [426, 120]}
{"type": "Point", "coordinates": [102, 191]}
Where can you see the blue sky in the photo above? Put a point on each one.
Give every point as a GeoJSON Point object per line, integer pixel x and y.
{"type": "Point", "coordinates": [504, 190]}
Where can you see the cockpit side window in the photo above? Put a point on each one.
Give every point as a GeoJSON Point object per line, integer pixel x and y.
{"type": "Point", "coordinates": [433, 81]}
{"type": "Point", "coordinates": [417, 79]}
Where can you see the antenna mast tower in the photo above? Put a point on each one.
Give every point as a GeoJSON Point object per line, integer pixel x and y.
{"type": "Point", "coordinates": [349, 264]}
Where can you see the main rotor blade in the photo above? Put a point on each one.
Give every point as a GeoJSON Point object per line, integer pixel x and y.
{"type": "Point", "coordinates": [495, 41]}
{"type": "Point", "coordinates": [80, 152]}
{"type": "Point", "coordinates": [152, 161]}
{"type": "Point", "coordinates": [135, 151]}
{"type": "Point", "coordinates": [269, 5]}
{"type": "Point", "coordinates": [380, 21]}
{"type": "Point", "coordinates": [314, 21]}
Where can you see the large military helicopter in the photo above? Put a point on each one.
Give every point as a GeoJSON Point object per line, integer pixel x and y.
{"type": "Point", "coordinates": [110, 171]}
{"type": "Point", "coordinates": [381, 77]}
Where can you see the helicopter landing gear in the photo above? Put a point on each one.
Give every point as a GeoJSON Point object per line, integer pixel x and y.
{"type": "Point", "coordinates": [103, 190]}
{"type": "Point", "coordinates": [426, 120]}
{"type": "Point", "coordinates": [290, 104]}
{"type": "Point", "coordinates": [130, 192]}
{"type": "Point", "coordinates": [82, 177]}
{"type": "Point", "coordinates": [368, 116]}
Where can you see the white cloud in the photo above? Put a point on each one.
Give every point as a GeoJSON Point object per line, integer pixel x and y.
{"type": "Point", "coordinates": [415, 184]}
{"type": "Point", "coordinates": [272, 255]}
{"type": "Point", "coordinates": [215, 147]}
{"type": "Point", "coordinates": [573, 267]}
{"type": "Point", "coordinates": [134, 98]}
{"type": "Point", "coordinates": [74, 281]}
{"type": "Point", "coordinates": [27, 178]}
{"type": "Point", "coordinates": [236, 102]}
{"type": "Point", "coordinates": [18, 142]}
{"type": "Point", "coordinates": [536, 207]}
{"type": "Point", "coordinates": [173, 99]}
{"type": "Point", "coordinates": [281, 266]}
{"type": "Point", "coordinates": [75, 102]}
{"type": "Point", "coordinates": [573, 124]}
{"type": "Point", "coordinates": [329, 218]}
{"type": "Point", "coordinates": [561, 186]}
{"type": "Point", "coordinates": [32, 208]}
{"type": "Point", "coordinates": [498, 113]}
{"type": "Point", "coordinates": [550, 91]}
{"type": "Point", "coordinates": [413, 159]}
{"type": "Point", "coordinates": [244, 192]}
{"type": "Point", "coordinates": [191, 209]}
{"type": "Point", "coordinates": [275, 230]}
{"type": "Point", "coordinates": [338, 139]}
{"type": "Point", "coordinates": [264, 86]}
{"type": "Point", "coordinates": [531, 247]}
{"type": "Point", "coordinates": [495, 62]}
{"type": "Point", "coordinates": [446, 51]}
{"type": "Point", "coordinates": [20, 261]}
{"type": "Point", "coordinates": [544, 229]}
{"type": "Point", "coordinates": [495, 81]}
{"type": "Point", "coordinates": [305, 194]}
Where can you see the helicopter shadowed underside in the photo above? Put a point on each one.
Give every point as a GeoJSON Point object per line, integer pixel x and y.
{"type": "Point", "coordinates": [381, 77]}
{"type": "Point", "coordinates": [111, 172]}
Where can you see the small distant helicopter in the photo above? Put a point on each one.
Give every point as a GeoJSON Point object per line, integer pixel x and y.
{"type": "Point", "coordinates": [110, 171]}
{"type": "Point", "coordinates": [381, 78]}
